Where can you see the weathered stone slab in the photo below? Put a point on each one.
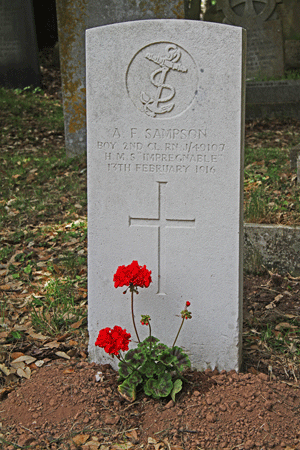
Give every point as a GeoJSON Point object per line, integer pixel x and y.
{"type": "Point", "coordinates": [265, 56]}
{"type": "Point", "coordinates": [268, 99]}
{"type": "Point", "coordinates": [165, 111]}
{"type": "Point", "coordinates": [272, 246]}
{"type": "Point", "coordinates": [19, 66]}
{"type": "Point", "coordinates": [294, 153]}
{"type": "Point", "coordinates": [74, 17]}
{"type": "Point", "coordinates": [292, 54]}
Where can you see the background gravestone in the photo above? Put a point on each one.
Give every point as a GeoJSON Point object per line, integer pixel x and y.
{"type": "Point", "coordinates": [74, 17]}
{"type": "Point", "coordinates": [19, 66]}
{"type": "Point", "coordinates": [165, 117]}
{"type": "Point", "coordinates": [265, 53]}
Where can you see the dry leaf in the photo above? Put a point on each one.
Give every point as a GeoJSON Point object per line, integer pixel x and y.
{"type": "Point", "coordinates": [122, 446]}
{"type": "Point", "coordinates": [38, 336]}
{"type": "Point", "coordinates": [133, 436]}
{"type": "Point", "coordinates": [5, 287]}
{"type": "Point", "coordinates": [39, 363]}
{"type": "Point", "coordinates": [4, 334]}
{"type": "Point", "coordinates": [62, 355]}
{"type": "Point", "coordinates": [18, 365]}
{"type": "Point", "coordinates": [25, 358]}
{"type": "Point", "coordinates": [284, 325]}
{"type": "Point", "coordinates": [69, 370]}
{"type": "Point", "coordinates": [26, 373]}
{"type": "Point", "coordinates": [16, 355]}
{"type": "Point", "coordinates": [77, 324]}
{"type": "Point", "coordinates": [80, 439]}
{"type": "Point", "coordinates": [91, 445]}
{"type": "Point", "coordinates": [53, 344]}
{"type": "Point", "coordinates": [4, 369]}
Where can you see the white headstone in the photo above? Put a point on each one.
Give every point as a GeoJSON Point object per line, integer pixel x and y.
{"type": "Point", "coordinates": [165, 115]}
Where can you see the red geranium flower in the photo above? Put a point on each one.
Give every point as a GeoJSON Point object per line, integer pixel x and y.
{"type": "Point", "coordinates": [112, 340]}
{"type": "Point", "coordinates": [132, 275]}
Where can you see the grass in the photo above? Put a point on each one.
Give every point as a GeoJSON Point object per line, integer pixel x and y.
{"type": "Point", "coordinates": [58, 310]}
{"type": "Point", "coordinates": [289, 75]}
{"type": "Point", "coordinates": [43, 220]}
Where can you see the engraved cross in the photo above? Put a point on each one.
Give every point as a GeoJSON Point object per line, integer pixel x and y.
{"type": "Point", "coordinates": [161, 223]}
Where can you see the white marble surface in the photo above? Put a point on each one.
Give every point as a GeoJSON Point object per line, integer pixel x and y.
{"type": "Point", "coordinates": [165, 117]}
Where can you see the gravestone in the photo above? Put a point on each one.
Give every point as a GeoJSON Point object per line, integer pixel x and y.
{"type": "Point", "coordinates": [165, 121]}
{"type": "Point", "coordinates": [74, 17]}
{"type": "Point", "coordinates": [294, 153]}
{"type": "Point", "coordinates": [265, 49]}
{"type": "Point", "coordinates": [19, 66]}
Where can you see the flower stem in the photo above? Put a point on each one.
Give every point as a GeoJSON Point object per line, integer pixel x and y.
{"type": "Point", "coordinates": [133, 317]}
{"type": "Point", "coordinates": [178, 332]}
{"type": "Point", "coordinates": [150, 335]}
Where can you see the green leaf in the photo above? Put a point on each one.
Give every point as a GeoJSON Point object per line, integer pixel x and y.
{"type": "Point", "coordinates": [135, 357]}
{"type": "Point", "coordinates": [159, 388]}
{"type": "Point", "coordinates": [124, 369]}
{"type": "Point", "coordinates": [28, 269]}
{"type": "Point", "coordinates": [177, 386]}
{"type": "Point", "coordinates": [167, 358]}
{"type": "Point", "coordinates": [127, 390]}
{"type": "Point", "coordinates": [135, 378]}
{"type": "Point", "coordinates": [148, 368]}
{"type": "Point", "coordinates": [182, 358]}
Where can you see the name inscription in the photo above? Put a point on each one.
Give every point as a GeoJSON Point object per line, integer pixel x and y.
{"type": "Point", "coordinates": [174, 150]}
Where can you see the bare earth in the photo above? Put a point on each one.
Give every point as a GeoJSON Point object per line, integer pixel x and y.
{"type": "Point", "coordinates": [215, 411]}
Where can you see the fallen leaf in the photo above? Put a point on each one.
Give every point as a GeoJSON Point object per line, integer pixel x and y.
{"type": "Point", "coordinates": [80, 439]}
{"type": "Point", "coordinates": [18, 365]}
{"type": "Point", "coordinates": [91, 445]}
{"type": "Point", "coordinates": [4, 334]}
{"type": "Point", "coordinates": [122, 446]}
{"type": "Point", "coordinates": [4, 369]}
{"type": "Point", "coordinates": [132, 435]}
{"type": "Point", "coordinates": [5, 287]}
{"type": "Point", "coordinates": [284, 325]}
{"type": "Point", "coordinates": [62, 355]}
{"type": "Point", "coordinates": [69, 370]}
{"type": "Point", "coordinates": [25, 358]}
{"type": "Point", "coordinates": [39, 363]}
{"type": "Point", "coordinates": [52, 344]}
{"type": "Point", "coordinates": [26, 373]}
{"type": "Point", "coordinates": [77, 324]}
{"type": "Point", "coordinates": [38, 336]}
{"type": "Point", "coordinates": [16, 355]}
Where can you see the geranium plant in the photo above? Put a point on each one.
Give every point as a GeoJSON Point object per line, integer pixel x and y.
{"type": "Point", "coordinates": [152, 365]}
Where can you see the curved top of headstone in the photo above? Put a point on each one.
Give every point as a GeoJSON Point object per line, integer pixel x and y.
{"type": "Point", "coordinates": [247, 13]}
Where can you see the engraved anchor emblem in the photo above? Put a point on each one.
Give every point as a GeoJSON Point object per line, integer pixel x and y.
{"type": "Point", "coordinates": [151, 105]}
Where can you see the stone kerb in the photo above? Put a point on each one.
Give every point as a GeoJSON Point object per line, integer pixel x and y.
{"type": "Point", "coordinates": [165, 118]}
{"type": "Point", "coordinates": [272, 246]}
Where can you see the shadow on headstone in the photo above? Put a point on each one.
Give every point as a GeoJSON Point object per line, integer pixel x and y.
{"type": "Point", "coordinates": [19, 66]}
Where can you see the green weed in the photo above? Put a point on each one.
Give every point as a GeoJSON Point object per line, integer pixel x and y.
{"type": "Point", "coordinates": [58, 309]}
